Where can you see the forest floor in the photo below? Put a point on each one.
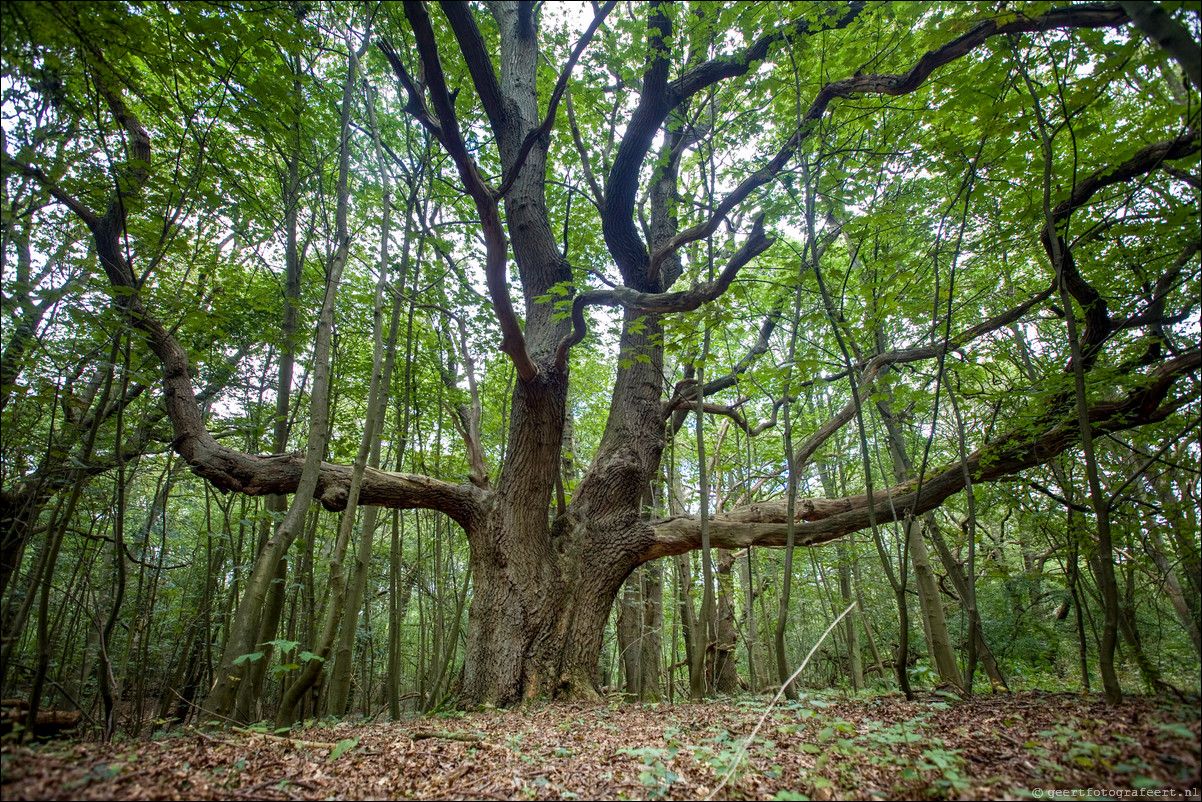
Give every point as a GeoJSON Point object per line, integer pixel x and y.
{"type": "Point", "coordinates": [1020, 746]}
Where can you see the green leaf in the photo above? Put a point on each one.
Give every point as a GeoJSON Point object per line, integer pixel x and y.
{"type": "Point", "coordinates": [285, 646]}
{"type": "Point", "coordinates": [341, 748]}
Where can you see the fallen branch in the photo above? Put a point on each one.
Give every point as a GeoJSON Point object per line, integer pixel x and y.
{"type": "Point", "coordinates": [285, 739]}
{"type": "Point", "coordinates": [468, 737]}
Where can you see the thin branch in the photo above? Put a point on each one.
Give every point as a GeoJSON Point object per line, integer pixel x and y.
{"type": "Point", "coordinates": [447, 131]}
{"type": "Point", "coordinates": [663, 302]}
{"type": "Point", "coordinates": [90, 218]}
{"type": "Point", "coordinates": [552, 105]}
{"type": "Point", "coordinates": [598, 195]}
{"type": "Point", "coordinates": [620, 233]}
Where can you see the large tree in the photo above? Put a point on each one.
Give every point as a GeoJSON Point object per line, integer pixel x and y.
{"type": "Point", "coordinates": [828, 82]}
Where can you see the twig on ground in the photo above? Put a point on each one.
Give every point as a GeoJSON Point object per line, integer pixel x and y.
{"type": "Point", "coordinates": [468, 737]}
{"type": "Point", "coordinates": [747, 743]}
{"type": "Point", "coordinates": [285, 739]}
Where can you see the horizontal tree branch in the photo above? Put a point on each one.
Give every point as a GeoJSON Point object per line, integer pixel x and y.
{"type": "Point", "coordinates": [822, 520]}
{"type": "Point", "coordinates": [231, 470]}
{"type": "Point", "coordinates": [686, 405]}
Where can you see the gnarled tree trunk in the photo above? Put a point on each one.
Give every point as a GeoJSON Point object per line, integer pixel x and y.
{"type": "Point", "coordinates": [545, 579]}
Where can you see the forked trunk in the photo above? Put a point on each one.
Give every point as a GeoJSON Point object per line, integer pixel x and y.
{"type": "Point", "coordinates": [538, 616]}
{"type": "Point", "coordinates": [543, 589]}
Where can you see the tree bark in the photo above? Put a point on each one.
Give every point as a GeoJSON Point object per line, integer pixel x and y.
{"type": "Point", "coordinates": [855, 663]}
{"type": "Point", "coordinates": [543, 587]}
{"type": "Point", "coordinates": [724, 656]}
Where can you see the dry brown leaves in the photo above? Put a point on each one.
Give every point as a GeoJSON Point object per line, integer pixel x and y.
{"type": "Point", "coordinates": [825, 747]}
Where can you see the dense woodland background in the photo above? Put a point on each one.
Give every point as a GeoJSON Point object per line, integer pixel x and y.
{"type": "Point", "coordinates": [916, 246]}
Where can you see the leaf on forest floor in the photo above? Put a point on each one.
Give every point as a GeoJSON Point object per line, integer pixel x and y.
{"type": "Point", "coordinates": [875, 747]}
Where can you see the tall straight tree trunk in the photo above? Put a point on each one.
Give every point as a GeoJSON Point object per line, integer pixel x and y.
{"type": "Point", "coordinates": [755, 659]}
{"type": "Point", "coordinates": [783, 671]}
{"type": "Point", "coordinates": [245, 625]}
{"type": "Point", "coordinates": [340, 676]}
{"type": "Point", "coordinates": [1061, 258]}
{"type": "Point", "coordinates": [44, 570]}
{"type": "Point", "coordinates": [651, 660]}
{"type": "Point", "coordinates": [725, 658]}
{"type": "Point", "coordinates": [877, 660]}
{"type": "Point", "coordinates": [109, 694]}
{"type": "Point", "coordinates": [1154, 545]}
{"type": "Point", "coordinates": [686, 614]}
{"type": "Point", "coordinates": [960, 581]}
{"type": "Point", "coordinates": [629, 634]}
{"type": "Point", "coordinates": [934, 620]}
{"type": "Point", "coordinates": [855, 663]}
{"type": "Point", "coordinates": [700, 681]}
{"type": "Point", "coordinates": [250, 689]}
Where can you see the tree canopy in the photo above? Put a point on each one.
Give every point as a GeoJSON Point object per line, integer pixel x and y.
{"type": "Point", "coordinates": [603, 284]}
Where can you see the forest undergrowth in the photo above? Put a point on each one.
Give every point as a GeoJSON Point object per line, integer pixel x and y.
{"type": "Point", "coordinates": [1020, 746]}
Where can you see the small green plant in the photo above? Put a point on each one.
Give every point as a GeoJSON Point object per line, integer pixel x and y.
{"type": "Point", "coordinates": [723, 754]}
{"type": "Point", "coordinates": [342, 747]}
{"type": "Point", "coordinates": [655, 775]}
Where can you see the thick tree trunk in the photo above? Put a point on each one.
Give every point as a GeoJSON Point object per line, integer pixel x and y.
{"type": "Point", "coordinates": [960, 581]}
{"type": "Point", "coordinates": [640, 620]}
{"type": "Point", "coordinates": [651, 643]}
{"type": "Point", "coordinates": [543, 590]}
{"type": "Point", "coordinates": [933, 619]}
{"type": "Point", "coordinates": [725, 657]}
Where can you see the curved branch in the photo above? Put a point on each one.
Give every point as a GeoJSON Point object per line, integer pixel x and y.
{"type": "Point", "coordinates": [620, 232]}
{"type": "Point", "coordinates": [663, 302]}
{"type": "Point", "coordinates": [879, 362]}
{"type": "Point", "coordinates": [1154, 315]}
{"type": "Point", "coordinates": [685, 404]}
{"type": "Point", "coordinates": [553, 104]}
{"type": "Point", "coordinates": [448, 133]}
{"type": "Point", "coordinates": [1171, 35]}
{"type": "Point", "coordinates": [759, 347]}
{"type": "Point", "coordinates": [232, 470]}
{"type": "Point", "coordinates": [823, 520]}
{"type": "Point", "coordinates": [1098, 325]}
{"type": "Point", "coordinates": [617, 216]}
{"type": "Point", "coordinates": [227, 468]}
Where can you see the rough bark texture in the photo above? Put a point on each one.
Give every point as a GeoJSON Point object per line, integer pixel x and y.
{"type": "Point", "coordinates": [543, 586]}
